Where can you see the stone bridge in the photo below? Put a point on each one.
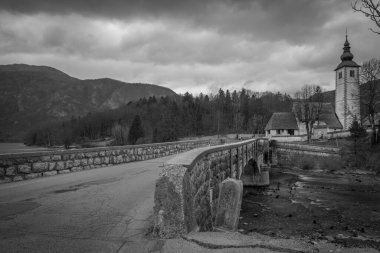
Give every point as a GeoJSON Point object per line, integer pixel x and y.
{"type": "Point", "coordinates": [31, 165]}
{"type": "Point", "coordinates": [187, 190]}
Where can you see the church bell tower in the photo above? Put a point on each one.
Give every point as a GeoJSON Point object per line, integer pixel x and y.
{"type": "Point", "coordinates": [347, 89]}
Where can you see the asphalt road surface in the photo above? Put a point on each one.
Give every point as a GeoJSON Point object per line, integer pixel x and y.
{"type": "Point", "coordinates": [101, 210]}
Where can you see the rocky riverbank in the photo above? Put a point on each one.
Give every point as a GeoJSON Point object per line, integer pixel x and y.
{"type": "Point", "coordinates": [315, 206]}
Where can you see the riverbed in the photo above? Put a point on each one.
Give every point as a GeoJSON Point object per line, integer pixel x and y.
{"type": "Point", "coordinates": [314, 205]}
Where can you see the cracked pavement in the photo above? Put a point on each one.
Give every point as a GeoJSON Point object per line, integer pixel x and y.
{"type": "Point", "coordinates": [100, 210]}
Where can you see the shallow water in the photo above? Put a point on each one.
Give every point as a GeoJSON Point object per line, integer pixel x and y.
{"type": "Point", "coordinates": [314, 205]}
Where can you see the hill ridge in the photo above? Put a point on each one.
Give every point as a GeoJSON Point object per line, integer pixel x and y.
{"type": "Point", "coordinates": [31, 95]}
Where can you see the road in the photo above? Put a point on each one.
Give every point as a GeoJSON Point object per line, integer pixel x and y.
{"type": "Point", "coordinates": [101, 210]}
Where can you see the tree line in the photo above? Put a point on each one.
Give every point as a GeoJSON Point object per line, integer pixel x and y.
{"type": "Point", "coordinates": [167, 119]}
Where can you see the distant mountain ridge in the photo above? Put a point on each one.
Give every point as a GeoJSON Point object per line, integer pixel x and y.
{"type": "Point", "coordinates": [31, 95]}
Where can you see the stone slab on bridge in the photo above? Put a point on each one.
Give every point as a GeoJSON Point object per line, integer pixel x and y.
{"type": "Point", "coordinates": [229, 205]}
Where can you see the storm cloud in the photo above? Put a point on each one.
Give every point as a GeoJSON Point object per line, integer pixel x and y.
{"type": "Point", "coordinates": [195, 46]}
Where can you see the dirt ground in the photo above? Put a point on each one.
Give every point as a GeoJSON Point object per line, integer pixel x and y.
{"type": "Point", "coordinates": [343, 208]}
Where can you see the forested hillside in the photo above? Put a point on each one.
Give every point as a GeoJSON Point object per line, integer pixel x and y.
{"type": "Point", "coordinates": [31, 95]}
{"type": "Point", "coordinates": [168, 118]}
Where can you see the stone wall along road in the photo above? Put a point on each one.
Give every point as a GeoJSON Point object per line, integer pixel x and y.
{"type": "Point", "coordinates": [23, 166]}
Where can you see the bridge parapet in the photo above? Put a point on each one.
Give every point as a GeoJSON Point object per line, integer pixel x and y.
{"type": "Point", "coordinates": [23, 166]}
{"type": "Point", "coordinates": [187, 190]}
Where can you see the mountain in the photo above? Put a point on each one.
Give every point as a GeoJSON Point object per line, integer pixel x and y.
{"type": "Point", "coordinates": [33, 95]}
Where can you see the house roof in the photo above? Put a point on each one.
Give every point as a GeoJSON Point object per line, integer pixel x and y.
{"type": "Point", "coordinates": [282, 120]}
{"type": "Point", "coordinates": [327, 117]}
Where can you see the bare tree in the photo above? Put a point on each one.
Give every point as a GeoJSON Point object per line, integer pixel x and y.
{"type": "Point", "coordinates": [371, 9]}
{"type": "Point", "coordinates": [370, 92]}
{"type": "Point", "coordinates": [308, 107]}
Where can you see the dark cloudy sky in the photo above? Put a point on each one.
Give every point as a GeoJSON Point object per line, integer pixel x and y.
{"type": "Point", "coordinates": [188, 45]}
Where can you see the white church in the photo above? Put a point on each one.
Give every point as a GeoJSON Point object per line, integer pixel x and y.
{"type": "Point", "coordinates": [347, 105]}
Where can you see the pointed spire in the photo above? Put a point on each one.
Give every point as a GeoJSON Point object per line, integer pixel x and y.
{"type": "Point", "coordinates": [347, 55]}
{"type": "Point", "coordinates": [346, 33]}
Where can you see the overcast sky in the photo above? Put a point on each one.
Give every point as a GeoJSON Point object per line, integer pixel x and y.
{"type": "Point", "coordinates": [188, 45]}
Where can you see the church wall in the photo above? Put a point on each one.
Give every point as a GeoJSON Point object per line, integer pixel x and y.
{"type": "Point", "coordinates": [340, 94]}
{"type": "Point", "coordinates": [353, 100]}
{"type": "Point", "coordinates": [347, 102]}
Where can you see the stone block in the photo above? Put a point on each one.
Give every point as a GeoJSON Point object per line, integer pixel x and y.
{"type": "Point", "coordinates": [74, 169]}
{"type": "Point", "coordinates": [84, 162]}
{"type": "Point", "coordinates": [11, 171]}
{"type": "Point", "coordinates": [52, 165]}
{"type": "Point", "coordinates": [18, 178]}
{"type": "Point", "coordinates": [5, 163]}
{"type": "Point", "coordinates": [39, 167]}
{"type": "Point", "coordinates": [33, 159]}
{"type": "Point", "coordinates": [90, 161]}
{"type": "Point", "coordinates": [93, 154]}
{"type": "Point", "coordinates": [97, 161]}
{"type": "Point", "coordinates": [49, 173]}
{"type": "Point", "coordinates": [229, 204]}
{"type": "Point", "coordinates": [45, 158]}
{"type": "Point", "coordinates": [2, 171]}
{"type": "Point", "coordinates": [106, 160]}
{"type": "Point", "coordinates": [56, 157]}
{"type": "Point", "coordinates": [63, 171]}
{"type": "Point", "coordinates": [168, 210]}
{"type": "Point", "coordinates": [102, 153]}
{"type": "Point", "coordinates": [76, 162]}
{"type": "Point", "coordinates": [65, 157]}
{"type": "Point", "coordinates": [60, 166]}
{"type": "Point", "coordinates": [24, 168]}
{"type": "Point", "coordinates": [32, 175]}
{"type": "Point", "coordinates": [69, 164]}
{"type": "Point", "coordinates": [119, 159]}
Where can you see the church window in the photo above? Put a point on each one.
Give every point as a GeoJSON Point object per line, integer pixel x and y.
{"type": "Point", "coordinates": [340, 75]}
{"type": "Point", "coordinates": [278, 131]}
{"type": "Point", "coordinates": [291, 131]}
{"type": "Point", "coordinates": [352, 73]}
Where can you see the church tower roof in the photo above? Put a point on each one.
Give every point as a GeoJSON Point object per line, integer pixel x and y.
{"type": "Point", "coordinates": [347, 56]}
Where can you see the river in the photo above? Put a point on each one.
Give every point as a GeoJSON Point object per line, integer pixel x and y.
{"type": "Point", "coordinates": [315, 206]}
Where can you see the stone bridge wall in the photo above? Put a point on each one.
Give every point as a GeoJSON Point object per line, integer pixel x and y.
{"type": "Point", "coordinates": [17, 167]}
{"type": "Point", "coordinates": [187, 190]}
{"type": "Point", "coordinates": [300, 155]}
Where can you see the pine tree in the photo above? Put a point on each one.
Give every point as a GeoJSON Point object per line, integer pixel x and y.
{"type": "Point", "coordinates": [136, 130]}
